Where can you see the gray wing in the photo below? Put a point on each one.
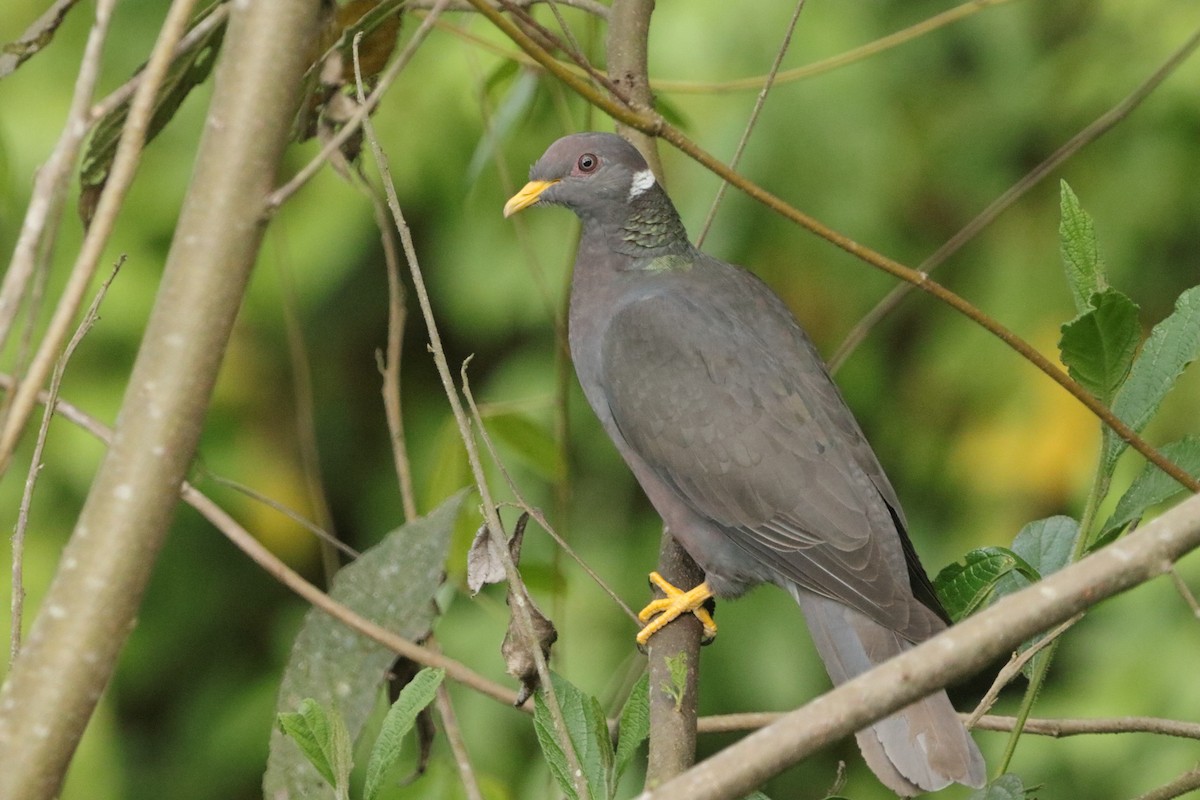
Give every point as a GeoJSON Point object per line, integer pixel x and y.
{"type": "Point", "coordinates": [714, 385]}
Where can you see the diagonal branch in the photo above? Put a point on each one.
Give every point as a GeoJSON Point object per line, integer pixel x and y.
{"type": "Point", "coordinates": [948, 657]}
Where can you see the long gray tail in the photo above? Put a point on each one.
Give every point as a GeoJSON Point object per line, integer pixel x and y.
{"type": "Point", "coordinates": [921, 748]}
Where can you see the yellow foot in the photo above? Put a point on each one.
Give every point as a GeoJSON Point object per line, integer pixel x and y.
{"type": "Point", "coordinates": [676, 603]}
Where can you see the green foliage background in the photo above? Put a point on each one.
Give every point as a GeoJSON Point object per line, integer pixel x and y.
{"type": "Point", "coordinates": [898, 151]}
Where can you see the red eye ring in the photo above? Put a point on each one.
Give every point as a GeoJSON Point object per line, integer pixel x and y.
{"type": "Point", "coordinates": [588, 162]}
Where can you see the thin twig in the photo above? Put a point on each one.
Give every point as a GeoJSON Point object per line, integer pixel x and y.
{"type": "Point", "coordinates": [652, 123]}
{"type": "Point", "coordinates": [1185, 592]}
{"type": "Point", "coordinates": [306, 431]}
{"type": "Point", "coordinates": [758, 106]}
{"type": "Point", "coordinates": [35, 466]}
{"type": "Point", "coordinates": [1185, 783]}
{"type": "Point", "coordinates": [524, 505]}
{"type": "Point", "coordinates": [389, 368]}
{"type": "Point", "coordinates": [312, 527]}
{"type": "Point", "coordinates": [366, 107]}
{"type": "Point", "coordinates": [125, 163]}
{"type": "Point", "coordinates": [347, 616]}
{"type": "Point", "coordinates": [35, 38]}
{"type": "Point", "coordinates": [1012, 669]}
{"type": "Point", "coordinates": [519, 593]}
{"type": "Point", "coordinates": [36, 239]}
{"type": "Point", "coordinates": [109, 103]}
{"type": "Point", "coordinates": [458, 746]}
{"type": "Point", "coordinates": [851, 56]}
{"type": "Point", "coordinates": [276, 568]}
{"type": "Point", "coordinates": [1053, 728]}
{"type": "Point", "coordinates": [1101, 125]}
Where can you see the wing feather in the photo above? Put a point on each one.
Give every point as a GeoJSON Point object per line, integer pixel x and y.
{"type": "Point", "coordinates": [715, 386]}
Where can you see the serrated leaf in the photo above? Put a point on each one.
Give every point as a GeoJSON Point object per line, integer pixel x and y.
{"type": "Point", "coordinates": [1173, 344]}
{"type": "Point", "coordinates": [588, 733]}
{"type": "Point", "coordinates": [342, 756]}
{"type": "Point", "coordinates": [308, 727]}
{"type": "Point", "coordinates": [965, 587]}
{"type": "Point", "coordinates": [1046, 545]}
{"type": "Point", "coordinates": [634, 727]}
{"type": "Point", "coordinates": [677, 669]}
{"type": "Point", "coordinates": [532, 443]}
{"type": "Point", "coordinates": [188, 69]}
{"type": "Point", "coordinates": [1006, 787]}
{"type": "Point", "coordinates": [414, 697]}
{"type": "Point", "coordinates": [1080, 252]}
{"type": "Point", "coordinates": [1153, 486]}
{"type": "Point", "coordinates": [1098, 346]}
{"type": "Point", "coordinates": [391, 584]}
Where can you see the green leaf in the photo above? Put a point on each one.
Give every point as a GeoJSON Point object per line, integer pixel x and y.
{"type": "Point", "coordinates": [1153, 486]}
{"type": "Point", "coordinates": [965, 587]}
{"type": "Point", "coordinates": [391, 584]}
{"type": "Point", "coordinates": [309, 729]}
{"type": "Point", "coordinates": [1006, 787]}
{"type": "Point", "coordinates": [588, 733]}
{"type": "Point", "coordinates": [414, 697]}
{"type": "Point", "coordinates": [634, 727]}
{"type": "Point", "coordinates": [677, 665]}
{"type": "Point", "coordinates": [1173, 344]}
{"type": "Point", "coordinates": [1098, 345]}
{"type": "Point", "coordinates": [532, 443]}
{"type": "Point", "coordinates": [1047, 544]}
{"type": "Point", "coordinates": [343, 756]}
{"type": "Point", "coordinates": [1080, 253]}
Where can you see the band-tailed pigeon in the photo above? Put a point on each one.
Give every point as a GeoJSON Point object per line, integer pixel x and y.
{"type": "Point", "coordinates": [723, 409]}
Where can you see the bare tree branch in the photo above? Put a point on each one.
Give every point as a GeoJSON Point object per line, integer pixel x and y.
{"type": "Point", "coordinates": [948, 657]}
{"type": "Point", "coordinates": [1054, 728]}
{"type": "Point", "coordinates": [1177, 788]}
{"type": "Point", "coordinates": [72, 649]}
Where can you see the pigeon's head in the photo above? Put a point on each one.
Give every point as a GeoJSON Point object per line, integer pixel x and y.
{"type": "Point", "coordinates": [593, 174]}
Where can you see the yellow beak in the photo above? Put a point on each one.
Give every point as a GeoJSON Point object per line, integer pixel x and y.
{"type": "Point", "coordinates": [528, 195]}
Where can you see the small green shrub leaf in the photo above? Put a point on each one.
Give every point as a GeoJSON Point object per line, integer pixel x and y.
{"type": "Point", "coordinates": [1098, 346]}
{"type": "Point", "coordinates": [414, 697]}
{"type": "Point", "coordinates": [635, 725]}
{"type": "Point", "coordinates": [1080, 252]}
{"type": "Point", "coordinates": [1153, 486]}
{"type": "Point", "coordinates": [1006, 787]}
{"type": "Point", "coordinates": [964, 587]}
{"type": "Point", "coordinates": [309, 729]}
{"type": "Point", "coordinates": [1173, 344]}
{"type": "Point", "coordinates": [587, 730]}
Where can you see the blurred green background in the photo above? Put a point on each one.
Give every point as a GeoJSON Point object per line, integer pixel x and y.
{"type": "Point", "coordinates": [898, 151]}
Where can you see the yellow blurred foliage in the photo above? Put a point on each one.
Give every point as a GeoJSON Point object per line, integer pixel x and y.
{"type": "Point", "coordinates": [1039, 447]}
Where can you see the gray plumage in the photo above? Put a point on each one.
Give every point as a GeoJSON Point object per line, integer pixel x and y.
{"type": "Point", "coordinates": [724, 411]}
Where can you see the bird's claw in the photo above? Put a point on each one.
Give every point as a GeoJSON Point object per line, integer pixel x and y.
{"type": "Point", "coordinates": [677, 602]}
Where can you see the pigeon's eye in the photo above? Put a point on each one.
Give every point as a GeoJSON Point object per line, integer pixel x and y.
{"type": "Point", "coordinates": [588, 163]}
